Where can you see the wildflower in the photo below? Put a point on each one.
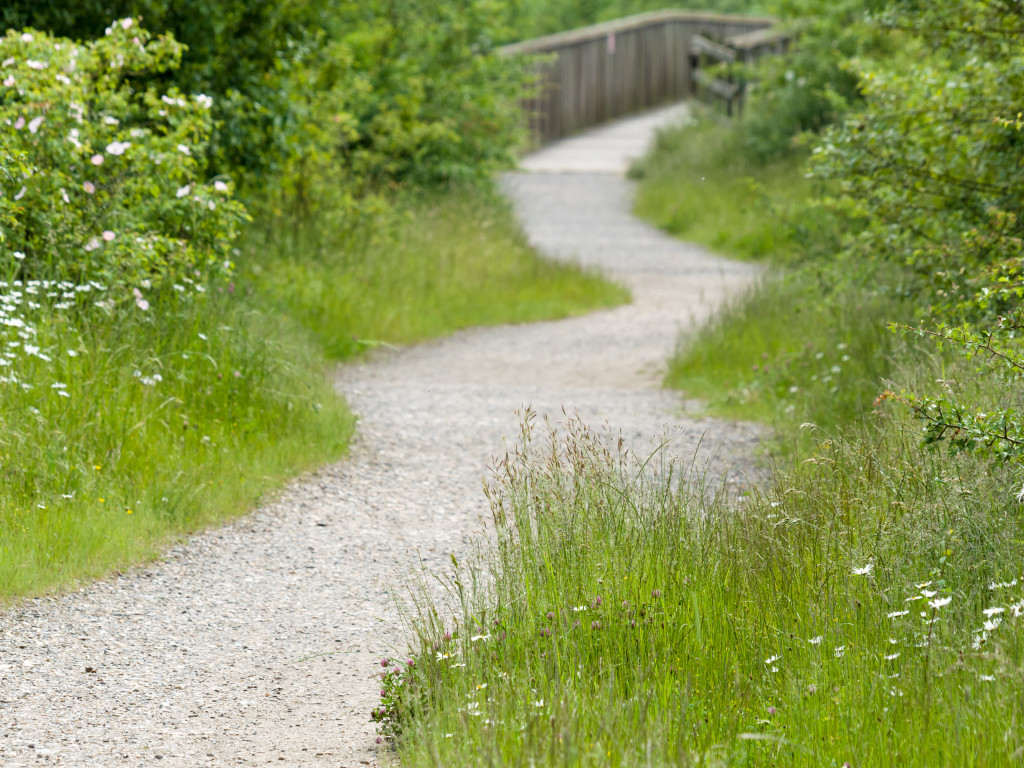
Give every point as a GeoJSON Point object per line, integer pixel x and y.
{"type": "Point", "coordinates": [993, 611]}
{"type": "Point", "coordinates": [992, 624]}
{"type": "Point", "coordinates": [9, 81]}
{"type": "Point", "coordinates": [21, 193]}
{"type": "Point", "coordinates": [184, 150]}
{"type": "Point", "coordinates": [19, 255]}
{"type": "Point", "coordinates": [815, 640]}
{"type": "Point", "coordinates": [89, 187]}
{"type": "Point", "coordinates": [578, 608]}
{"type": "Point", "coordinates": [479, 637]}
{"type": "Point", "coordinates": [940, 602]}
{"type": "Point", "coordinates": [220, 186]}
{"type": "Point", "coordinates": [26, 37]}
{"type": "Point", "coordinates": [895, 614]}
{"type": "Point", "coordinates": [864, 571]}
{"type": "Point", "coordinates": [96, 159]}
{"type": "Point", "coordinates": [892, 656]}
{"type": "Point", "coordinates": [771, 660]}
{"type": "Point", "coordinates": [108, 235]}
{"type": "Point", "coordinates": [656, 593]}
{"type": "Point", "coordinates": [987, 678]}
{"type": "Point", "coordinates": [126, 23]}
{"type": "Point", "coordinates": [37, 65]}
{"type": "Point", "coordinates": [117, 147]}
{"type": "Point", "coordinates": [927, 593]}
{"type": "Point", "coordinates": [33, 126]}
{"type": "Point", "coordinates": [839, 651]}
{"type": "Point", "coordinates": [384, 662]}
{"type": "Point", "coordinates": [771, 710]}
{"type": "Point", "coordinates": [182, 191]}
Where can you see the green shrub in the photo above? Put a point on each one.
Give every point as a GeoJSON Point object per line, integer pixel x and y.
{"type": "Point", "coordinates": [105, 181]}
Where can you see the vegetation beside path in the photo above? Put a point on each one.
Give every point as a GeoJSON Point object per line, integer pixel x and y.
{"type": "Point", "coordinates": [179, 266]}
{"type": "Point", "coordinates": [867, 608]}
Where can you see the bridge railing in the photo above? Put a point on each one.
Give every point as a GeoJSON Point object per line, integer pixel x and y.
{"type": "Point", "coordinates": [600, 72]}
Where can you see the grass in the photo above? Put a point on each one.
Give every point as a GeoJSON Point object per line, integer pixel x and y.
{"type": "Point", "coordinates": [125, 428]}
{"type": "Point", "coordinates": [862, 611]}
{"type": "Point", "coordinates": [699, 184]}
{"type": "Point", "coordinates": [452, 261]}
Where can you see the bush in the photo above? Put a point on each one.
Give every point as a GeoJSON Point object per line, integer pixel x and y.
{"type": "Point", "coordinates": [103, 179]}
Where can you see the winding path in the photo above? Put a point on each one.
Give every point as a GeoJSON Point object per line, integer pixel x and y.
{"type": "Point", "coordinates": [255, 643]}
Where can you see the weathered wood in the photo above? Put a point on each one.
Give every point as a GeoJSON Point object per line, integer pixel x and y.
{"type": "Point", "coordinates": [722, 88]}
{"type": "Point", "coordinates": [701, 44]}
{"type": "Point", "coordinates": [607, 70]}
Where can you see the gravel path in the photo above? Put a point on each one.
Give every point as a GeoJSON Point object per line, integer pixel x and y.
{"type": "Point", "coordinates": [255, 643]}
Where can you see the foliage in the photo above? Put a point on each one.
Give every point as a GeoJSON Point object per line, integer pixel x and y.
{"type": "Point", "coordinates": [362, 95]}
{"type": "Point", "coordinates": [964, 419]}
{"type": "Point", "coordinates": [930, 167]}
{"type": "Point", "coordinates": [105, 181]}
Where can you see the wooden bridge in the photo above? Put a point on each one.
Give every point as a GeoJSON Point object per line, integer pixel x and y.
{"type": "Point", "coordinates": [590, 75]}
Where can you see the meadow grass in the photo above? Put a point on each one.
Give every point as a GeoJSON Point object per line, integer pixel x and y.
{"type": "Point", "coordinates": [864, 610]}
{"type": "Point", "coordinates": [453, 260]}
{"type": "Point", "coordinates": [700, 184]}
{"type": "Point", "coordinates": [126, 427]}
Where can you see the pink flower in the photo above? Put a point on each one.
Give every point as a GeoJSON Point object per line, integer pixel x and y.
{"type": "Point", "coordinates": [19, 123]}
{"type": "Point", "coordinates": [108, 235]}
{"type": "Point", "coordinates": [96, 160]}
{"type": "Point", "coordinates": [89, 187]}
{"type": "Point", "coordinates": [9, 81]}
{"type": "Point", "coordinates": [34, 125]}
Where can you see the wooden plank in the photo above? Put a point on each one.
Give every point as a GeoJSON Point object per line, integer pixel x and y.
{"type": "Point", "coordinates": [717, 51]}
{"type": "Point", "coordinates": [759, 38]}
{"type": "Point", "coordinates": [721, 88]}
{"type": "Point", "coordinates": [657, 18]}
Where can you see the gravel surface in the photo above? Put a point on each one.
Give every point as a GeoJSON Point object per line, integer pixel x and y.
{"type": "Point", "coordinates": [256, 643]}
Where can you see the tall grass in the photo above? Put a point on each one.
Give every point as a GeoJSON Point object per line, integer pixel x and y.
{"type": "Point", "coordinates": [866, 610]}
{"type": "Point", "coordinates": [449, 261]}
{"type": "Point", "coordinates": [125, 426]}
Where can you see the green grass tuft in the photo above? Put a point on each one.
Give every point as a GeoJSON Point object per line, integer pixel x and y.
{"type": "Point", "coordinates": [456, 260]}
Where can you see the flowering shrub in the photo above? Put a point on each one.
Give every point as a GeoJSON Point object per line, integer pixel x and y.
{"type": "Point", "coordinates": [101, 179]}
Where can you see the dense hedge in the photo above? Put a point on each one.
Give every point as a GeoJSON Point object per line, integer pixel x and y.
{"type": "Point", "coordinates": [370, 93]}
